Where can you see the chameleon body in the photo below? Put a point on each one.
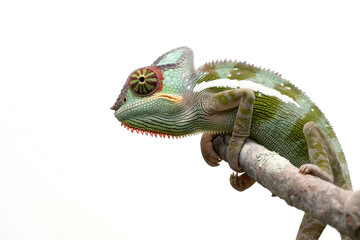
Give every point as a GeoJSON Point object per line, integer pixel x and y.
{"type": "Point", "coordinates": [172, 98]}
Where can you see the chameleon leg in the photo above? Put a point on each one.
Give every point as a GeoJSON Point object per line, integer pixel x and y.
{"type": "Point", "coordinates": [241, 129]}
{"type": "Point", "coordinates": [336, 170]}
{"type": "Point", "coordinates": [319, 166]}
{"type": "Point", "coordinates": [239, 135]}
{"type": "Point", "coordinates": [319, 155]}
{"type": "Point", "coordinates": [310, 228]}
{"type": "Point", "coordinates": [243, 99]}
{"type": "Point", "coordinates": [323, 164]}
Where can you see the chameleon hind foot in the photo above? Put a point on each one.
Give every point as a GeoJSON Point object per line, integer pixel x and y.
{"type": "Point", "coordinates": [315, 171]}
{"type": "Point", "coordinates": [207, 150]}
{"type": "Point", "coordinates": [320, 154]}
{"type": "Point", "coordinates": [241, 182]}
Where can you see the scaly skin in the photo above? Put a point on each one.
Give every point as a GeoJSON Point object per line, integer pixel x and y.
{"type": "Point", "coordinates": [175, 109]}
{"type": "Point", "coordinates": [171, 98]}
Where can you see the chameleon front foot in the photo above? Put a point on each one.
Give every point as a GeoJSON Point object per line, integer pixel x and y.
{"type": "Point", "coordinates": [241, 182]}
{"type": "Point", "coordinates": [207, 150]}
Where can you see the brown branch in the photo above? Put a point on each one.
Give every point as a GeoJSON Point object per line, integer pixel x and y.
{"type": "Point", "coordinates": [330, 204]}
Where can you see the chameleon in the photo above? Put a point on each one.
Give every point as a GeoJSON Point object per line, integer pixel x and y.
{"type": "Point", "coordinates": [170, 98]}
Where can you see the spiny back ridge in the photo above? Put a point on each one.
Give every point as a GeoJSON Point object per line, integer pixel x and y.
{"type": "Point", "coordinates": [224, 64]}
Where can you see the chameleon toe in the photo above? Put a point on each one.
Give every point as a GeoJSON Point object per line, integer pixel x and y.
{"type": "Point", "coordinates": [241, 182]}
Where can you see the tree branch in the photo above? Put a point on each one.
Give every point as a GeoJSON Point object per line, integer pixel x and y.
{"type": "Point", "coordinates": [330, 204]}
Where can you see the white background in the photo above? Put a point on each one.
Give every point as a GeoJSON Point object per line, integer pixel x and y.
{"type": "Point", "coordinates": [69, 171]}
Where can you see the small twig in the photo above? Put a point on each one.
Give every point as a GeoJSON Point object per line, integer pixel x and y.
{"type": "Point", "coordinates": [330, 204]}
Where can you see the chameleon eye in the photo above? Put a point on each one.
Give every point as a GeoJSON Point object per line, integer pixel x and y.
{"type": "Point", "coordinates": [145, 81]}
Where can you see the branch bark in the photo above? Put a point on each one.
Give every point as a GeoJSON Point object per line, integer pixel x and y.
{"type": "Point", "coordinates": [330, 204]}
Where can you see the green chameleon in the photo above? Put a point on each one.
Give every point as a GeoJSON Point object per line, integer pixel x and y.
{"type": "Point", "coordinates": [172, 98]}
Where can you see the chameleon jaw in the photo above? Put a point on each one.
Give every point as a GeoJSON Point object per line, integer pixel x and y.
{"type": "Point", "coordinates": [153, 134]}
{"type": "Point", "coordinates": [164, 135]}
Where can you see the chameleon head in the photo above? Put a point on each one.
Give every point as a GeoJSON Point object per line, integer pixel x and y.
{"type": "Point", "coordinates": [152, 99]}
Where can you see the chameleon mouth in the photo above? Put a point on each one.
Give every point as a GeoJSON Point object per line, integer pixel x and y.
{"type": "Point", "coordinates": [152, 134]}
{"type": "Point", "coordinates": [163, 135]}
{"type": "Point", "coordinates": [156, 134]}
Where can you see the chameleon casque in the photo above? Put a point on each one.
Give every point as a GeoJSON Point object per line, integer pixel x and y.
{"type": "Point", "coordinates": [172, 98]}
